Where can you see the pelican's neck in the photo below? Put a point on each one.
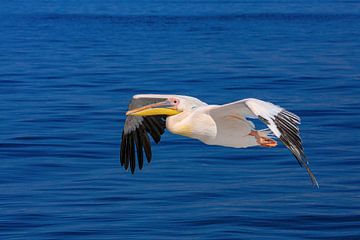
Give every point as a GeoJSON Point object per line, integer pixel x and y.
{"type": "Point", "coordinates": [177, 124]}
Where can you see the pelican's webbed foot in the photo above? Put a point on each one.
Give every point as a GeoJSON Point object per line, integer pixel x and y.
{"type": "Point", "coordinates": [262, 139]}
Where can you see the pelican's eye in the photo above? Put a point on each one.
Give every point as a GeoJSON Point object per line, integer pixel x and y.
{"type": "Point", "coordinates": [175, 101]}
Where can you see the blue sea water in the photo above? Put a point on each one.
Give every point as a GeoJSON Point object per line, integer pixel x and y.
{"type": "Point", "coordinates": [69, 68]}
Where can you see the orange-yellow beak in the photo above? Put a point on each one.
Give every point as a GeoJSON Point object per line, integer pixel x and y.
{"type": "Point", "coordinates": [161, 108]}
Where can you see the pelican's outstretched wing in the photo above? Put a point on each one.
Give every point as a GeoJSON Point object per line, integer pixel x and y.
{"type": "Point", "coordinates": [284, 124]}
{"type": "Point", "coordinates": [135, 133]}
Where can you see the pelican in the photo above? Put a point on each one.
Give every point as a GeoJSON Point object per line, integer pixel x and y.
{"type": "Point", "coordinates": [225, 125]}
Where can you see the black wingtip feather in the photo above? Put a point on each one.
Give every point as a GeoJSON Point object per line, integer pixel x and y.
{"type": "Point", "coordinates": [147, 146]}
{"type": "Point", "coordinates": [127, 153]}
{"type": "Point", "coordinates": [287, 123]}
{"type": "Point", "coordinates": [122, 149]}
{"type": "Point", "coordinates": [139, 148]}
{"type": "Point", "coordinates": [132, 154]}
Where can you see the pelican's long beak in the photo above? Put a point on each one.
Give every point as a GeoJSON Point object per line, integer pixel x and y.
{"type": "Point", "coordinates": [161, 108]}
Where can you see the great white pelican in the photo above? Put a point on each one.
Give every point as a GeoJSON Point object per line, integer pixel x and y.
{"type": "Point", "coordinates": [225, 125]}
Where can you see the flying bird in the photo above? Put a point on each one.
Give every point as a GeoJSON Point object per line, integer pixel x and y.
{"type": "Point", "coordinates": [227, 125]}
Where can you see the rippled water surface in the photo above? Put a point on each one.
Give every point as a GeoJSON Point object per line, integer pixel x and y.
{"type": "Point", "coordinates": [68, 70]}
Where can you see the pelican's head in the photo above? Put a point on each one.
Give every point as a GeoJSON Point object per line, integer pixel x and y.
{"type": "Point", "coordinates": [172, 105]}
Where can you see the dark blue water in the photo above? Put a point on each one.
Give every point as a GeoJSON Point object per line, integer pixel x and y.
{"type": "Point", "coordinates": [68, 70]}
